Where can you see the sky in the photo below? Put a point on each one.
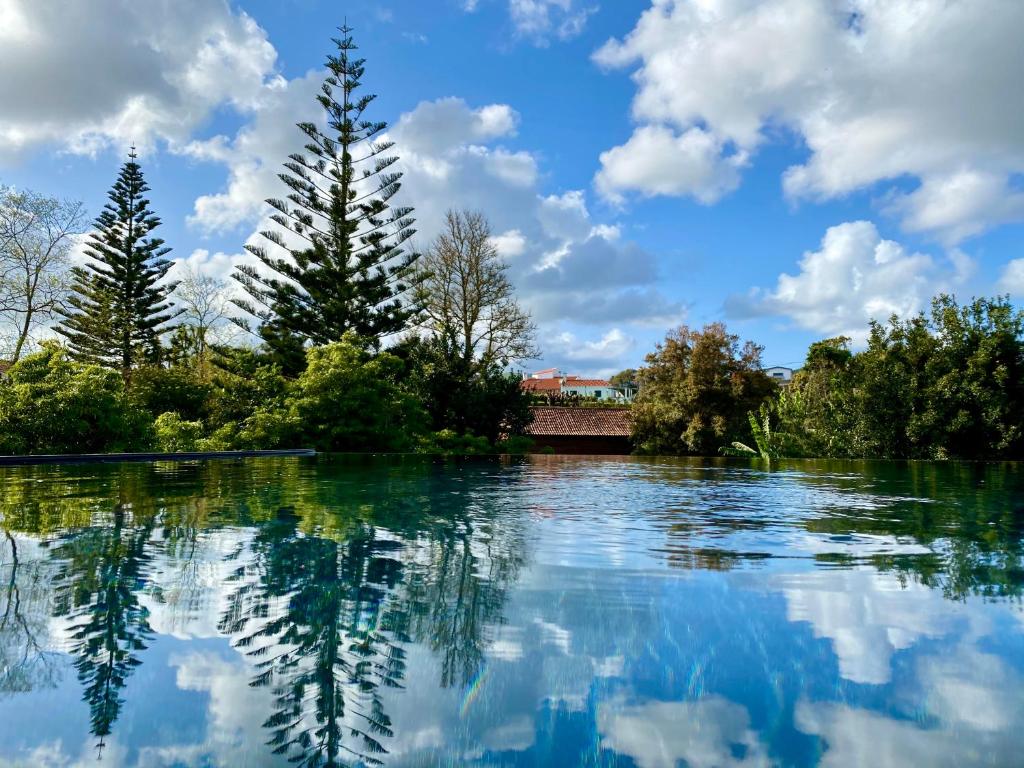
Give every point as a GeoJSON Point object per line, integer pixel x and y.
{"type": "Point", "coordinates": [792, 168]}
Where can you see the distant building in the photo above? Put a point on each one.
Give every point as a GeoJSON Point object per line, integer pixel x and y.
{"type": "Point", "coordinates": [551, 382]}
{"type": "Point", "coordinates": [781, 374]}
{"type": "Point", "coordinates": [581, 430]}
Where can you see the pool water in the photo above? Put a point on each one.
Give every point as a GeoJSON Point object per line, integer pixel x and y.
{"type": "Point", "coordinates": [547, 611]}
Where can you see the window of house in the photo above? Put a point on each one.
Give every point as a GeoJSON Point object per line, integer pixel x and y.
{"type": "Point", "coordinates": [597, 393]}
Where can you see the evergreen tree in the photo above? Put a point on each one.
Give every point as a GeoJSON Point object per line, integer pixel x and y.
{"type": "Point", "coordinates": [119, 304]}
{"type": "Point", "coordinates": [345, 268]}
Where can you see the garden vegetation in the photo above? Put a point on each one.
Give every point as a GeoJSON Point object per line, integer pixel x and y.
{"type": "Point", "coordinates": [339, 336]}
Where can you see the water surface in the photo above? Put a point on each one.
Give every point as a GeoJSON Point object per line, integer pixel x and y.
{"type": "Point", "coordinates": [546, 611]}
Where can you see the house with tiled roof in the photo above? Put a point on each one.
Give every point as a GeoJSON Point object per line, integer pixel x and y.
{"type": "Point", "coordinates": [580, 430]}
{"type": "Point", "coordinates": [551, 382]}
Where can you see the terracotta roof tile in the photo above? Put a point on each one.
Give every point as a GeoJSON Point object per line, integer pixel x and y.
{"type": "Point", "coordinates": [542, 385]}
{"type": "Point", "coordinates": [581, 422]}
{"type": "Point", "coordinates": [586, 383]}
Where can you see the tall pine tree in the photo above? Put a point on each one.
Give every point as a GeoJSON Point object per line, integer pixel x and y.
{"type": "Point", "coordinates": [345, 268]}
{"type": "Point", "coordinates": [120, 303]}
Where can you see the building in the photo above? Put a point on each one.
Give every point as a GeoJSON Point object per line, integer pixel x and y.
{"type": "Point", "coordinates": [781, 374]}
{"type": "Point", "coordinates": [593, 431]}
{"type": "Point", "coordinates": [551, 382]}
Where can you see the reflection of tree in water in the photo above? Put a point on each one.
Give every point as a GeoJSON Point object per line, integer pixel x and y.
{"type": "Point", "coordinates": [26, 661]}
{"type": "Point", "coordinates": [316, 621]}
{"type": "Point", "coordinates": [327, 608]}
{"type": "Point", "coordinates": [970, 517]}
{"type": "Point", "coordinates": [101, 572]}
{"type": "Point", "coordinates": [340, 568]}
{"type": "Point", "coordinates": [458, 591]}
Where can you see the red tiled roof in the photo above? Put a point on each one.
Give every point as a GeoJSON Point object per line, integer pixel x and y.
{"type": "Point", "coordinates": [542, 385]}
{"type": "Point", "coordinates": [580, 422]}
{"type": "Point", "coordinates": [574, 382]}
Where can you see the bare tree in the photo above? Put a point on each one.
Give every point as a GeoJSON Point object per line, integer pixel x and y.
{"type": "Point", "coordinates": [207, 310]}
{"type": "Point", "coordinates": [469, 300]}
{"type": "Point", "coordinates": [37, 234]}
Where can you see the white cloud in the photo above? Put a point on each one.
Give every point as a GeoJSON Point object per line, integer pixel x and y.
{"type": "Point", "coordinates": [509, 244]}
{"type": "Point", "coordinates": [73, 78]}
{"type": "Point", "coordinates": [1012, 279]}
{"type": "Point", "coordinates": [877, 90]}
{"type": "Point", "coordinates": [855, 276]}
{"type": "Point", "coordinates": [656, 161]}
{"type": "Point", "coordinates": [968, 699]}
{"type": "Point", "coordinates": [441, 125]}
{"type": "Point", "coordinates": [601, 356]}
{"type": "Point", "coordinates": [959, 204]}
{"type": "Point", "coordinates": [254, 157]}
{"type": "Point", "coordinates": [540, 20]}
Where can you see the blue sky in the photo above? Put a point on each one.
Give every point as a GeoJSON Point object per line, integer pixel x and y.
{"type": "Point", "coordinates": [792, 167]}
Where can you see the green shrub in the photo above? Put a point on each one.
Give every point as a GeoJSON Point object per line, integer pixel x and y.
{"type": "Point", "coordinates": [178, 390]}
{"type": "Point", "coordinates": [515, 445]}
{"type": "Point", "coordinates": [51, 404]}
{"type": "Point", "coordinates": [347, 400]}
{"type": "Point", "coordinates": [447, 442]}
{"type": "Point", "coordinates": [175, 435]}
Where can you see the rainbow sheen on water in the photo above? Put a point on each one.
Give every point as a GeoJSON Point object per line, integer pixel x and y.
{"type": "Point", "coordinates": [545, 611]}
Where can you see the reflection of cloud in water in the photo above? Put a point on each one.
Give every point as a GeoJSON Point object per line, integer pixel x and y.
{"type": "Point", "coordinates": [188, 593]}
{"type": "Point", "coordinates": [235, 711]}
{"type": "Point", "coordinates": [868, 616]}
{"type": "Point", "coordinates": [969, 715]}
{"type": "Point", "coordinates": [709, 733]}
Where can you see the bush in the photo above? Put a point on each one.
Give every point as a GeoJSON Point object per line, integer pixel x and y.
{"type": "Point", "coordinates": [348, 400]}
{"type": "Point", "coordinates": [448, 442]}
{"type": "Point", "coordinates": [177, 390]}
{"type": "Point", "coordinates": [50, 404]}
{"type": "Point", "coordinates": [466, 398]}
{"type": "Point", "coordinates": [175, 435]}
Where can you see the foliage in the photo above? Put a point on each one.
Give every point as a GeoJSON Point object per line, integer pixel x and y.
{"type": "Point", "coordinates": [175, 435]}
{"type": "Point", "coordinates": [465, 397]}
{"type": "Point", "coordinates": [119, 305]}
{"type": "Point", "coordinates": [180, 389]}
{"type": "Point", "coordinates": [97, 590]}
{"type": "Point", "coordinates": [624, 378]}
{"type": "Point", "coordinates": [695, 391]}
{"type": "Point", "coordinates": [350, 273]}
{"type": "Point", "coordinates": [448, 442]}
{"type": "Point", "coordinates": [205, 320]}
{"type": "Point", "coordinates": [949, 384]}
{"type": "Point", "coordinates": [52, 404]}
{"type": "Point", "coordinates": [765, 439]}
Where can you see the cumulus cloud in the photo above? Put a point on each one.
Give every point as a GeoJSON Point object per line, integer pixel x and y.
{"type": "Point", "coordinates": [254, 156]}
{"type": "Point", "coordinates": [540, 20]}
{"type": "Point", "coordinates": [869, 87]}
{"type": "Point", "coordinates": [968, 697]}
{"type": "Point", "coordinates": [436, 126]}
{"type": "Point", "coordinates": [1012, 279]}
{"type": "Point", "coordinates": [70, 80]}
{"type": "Point", "coordinates": [855, 276]}
{"type": "Point", "coordinates": [657, 161]}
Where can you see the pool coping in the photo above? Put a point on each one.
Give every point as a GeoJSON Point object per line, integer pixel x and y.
{"type": "Point", "coordinates": [93, 458]}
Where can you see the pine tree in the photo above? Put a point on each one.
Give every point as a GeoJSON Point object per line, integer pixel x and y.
{"type": "Point", "coordinates": [347, 270]}
{"type": "Point", "coordinates": [120, 303]}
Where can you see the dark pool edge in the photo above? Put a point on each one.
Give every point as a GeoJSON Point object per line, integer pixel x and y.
{"type": "Point", "coordinates": [108, 458]}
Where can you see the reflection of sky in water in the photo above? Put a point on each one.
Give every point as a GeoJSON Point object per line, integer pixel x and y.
{"type": "Point", "coordinates": [641, 613]}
